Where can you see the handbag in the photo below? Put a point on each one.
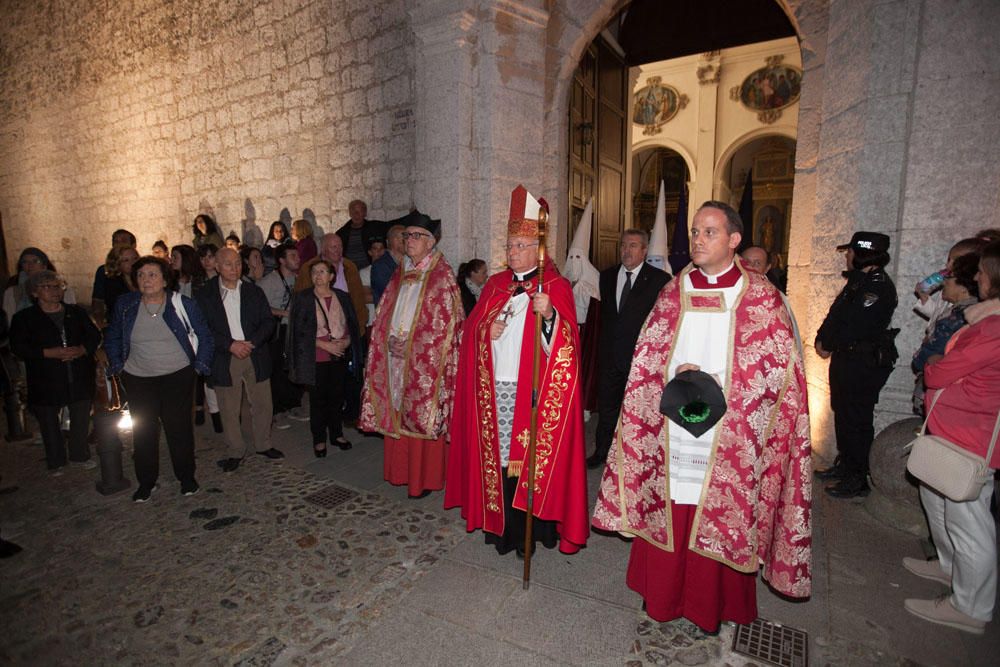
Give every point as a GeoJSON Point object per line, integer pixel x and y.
{"type": "Point", "coordinates": [952, 471]}
{"type": "Point", "coordinates": [182, 313]}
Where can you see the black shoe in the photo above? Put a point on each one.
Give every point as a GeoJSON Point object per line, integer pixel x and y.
{"type": "Point", "coordinates": [596, 460]}
{"type": "Point", "coordinates": [229, 465]}
{"type": "Point", "coordinates": [344, 445]}
{"type": "Point", "coordinates": [199, 417]}
{"type": "Point", "coordinates": [849, 487]}
{"type": "Point", "coordinates": [272, 453]}
{"type": "Point", "coordinates": [835, 472]}
{"type": "Point", "coordinates": [142, 494]}
{"type": "Point", "coordinates": [423, 494]}
{"type": "Point", "coordinates": [8, 549]}
{"type": "Point", "coordinates": [320, 453]}
{"type": "Point", "coordinates": [217, 422]}
{"type": "Point", "coordinates": [189, 488]}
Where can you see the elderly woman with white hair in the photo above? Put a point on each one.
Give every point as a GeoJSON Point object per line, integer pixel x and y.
{"type": "Point", "coordinates": [57, 341]}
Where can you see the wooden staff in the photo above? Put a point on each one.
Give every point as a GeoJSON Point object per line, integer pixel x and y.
{"type": "Point", "coordinates": [536, 386]}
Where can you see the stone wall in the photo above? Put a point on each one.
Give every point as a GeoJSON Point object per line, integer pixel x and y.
{"type": "Point", "coordinates": [141, 114]}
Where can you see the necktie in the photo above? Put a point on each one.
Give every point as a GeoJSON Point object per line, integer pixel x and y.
{"type": "Point", "coordinates": [625, 290]}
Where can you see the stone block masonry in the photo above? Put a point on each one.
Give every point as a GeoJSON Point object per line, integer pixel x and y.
{"type": "Point", "coordinates": [141, 114]}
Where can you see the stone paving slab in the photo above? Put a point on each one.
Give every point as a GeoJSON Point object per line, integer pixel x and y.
{"type": "Point", "coordinates": [245, 572]}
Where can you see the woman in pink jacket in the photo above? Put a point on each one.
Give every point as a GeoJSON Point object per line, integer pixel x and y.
{"type": "Point", "coordinates": [968, 380]}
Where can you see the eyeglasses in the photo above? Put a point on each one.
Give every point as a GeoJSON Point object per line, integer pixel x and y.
{"type": "Point", "coordinates": [416, 235]}
{"type": "Point", "coordinates": [50, 286]}
{"type": "Point", "coordinates": [31, 260]}
{"type": "Point", "coordinates": [519, 246]}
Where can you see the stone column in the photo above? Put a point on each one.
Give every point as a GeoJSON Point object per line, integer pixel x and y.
{"type": "Point", "coordinates": [445, 169]}
{"type": "Point", "coordinates": [702, 184]}
{"type": "Point", "coordinates": [508, 128]}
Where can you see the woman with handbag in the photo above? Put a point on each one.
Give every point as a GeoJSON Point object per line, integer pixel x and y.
{"type": "Point", "coordinates": [57, 342]}
{"type": "Point", "coordinates": [323, 347]}
{"type": "Point", "coordinates": [157, 341]}
{"type": "Point", "coordinates": [963, 402]}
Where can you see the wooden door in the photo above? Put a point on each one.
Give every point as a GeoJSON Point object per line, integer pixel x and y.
{"type": "Point", "coordinates": [598, 112]}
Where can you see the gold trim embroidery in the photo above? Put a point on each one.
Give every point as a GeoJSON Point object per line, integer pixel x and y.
{"type": "Point", "coordinates": [689, 304]}
{"type": "Point", "coordinates": [487, 420]}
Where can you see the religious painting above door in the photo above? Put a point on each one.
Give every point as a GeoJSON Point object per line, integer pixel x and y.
{"type": "Point", "coordinates": [655, 104]}
{"type": "Point", "coordinates": [769, 89]}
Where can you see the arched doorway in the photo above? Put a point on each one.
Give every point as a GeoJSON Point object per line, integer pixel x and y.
{"type": "Point", "coordinates": [766, 164]}
{"type": "Point", "coordinates": [651, 167]}
{"type": "Point", "coordinates": [692, 101]}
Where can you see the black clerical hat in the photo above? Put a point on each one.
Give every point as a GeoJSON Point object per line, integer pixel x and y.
{"type": "Point", "coordinates": [417, 219]}
{"type": "Point", "coordinates": [694, 401]}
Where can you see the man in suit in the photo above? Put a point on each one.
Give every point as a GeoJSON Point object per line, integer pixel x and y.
{"type": "Point", "coordinates": [628, 292]}
{"type": "Point", "coordinates": [240, 318]}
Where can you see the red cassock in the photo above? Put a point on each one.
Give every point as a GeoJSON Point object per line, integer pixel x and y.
{"type": "Point", "coordinates": [755, 507]}
{"type": "Point", "coordinates": [415, 434]}
{"type": "Point", "coordinates": [474, 470]}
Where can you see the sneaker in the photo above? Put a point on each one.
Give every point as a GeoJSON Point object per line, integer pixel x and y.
{"type": "Point", "coordinates": [280, 422]}
{"type": "Point", "coordinates": [189, 488]}
{"type": "Point", "coordinates": [928, 569]}
{"type": "Point", "coordinates": [89, 464]}
{"type": "Point", "coordinates": [56, 472]}
{"type": "Point", "coordinates": [272, 453]}
{"type": "Point", "coordinates": [142, 494]}
{"type": "Point", "coordinates": [299, 414]}
{"type": "Point", "coordinates": [942, 611]}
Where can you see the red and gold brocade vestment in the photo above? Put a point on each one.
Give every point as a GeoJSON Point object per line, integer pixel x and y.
{"type": "Point", "coordinates": [474, 465]}
{"type": "Point", "coordinates": [754, 509]}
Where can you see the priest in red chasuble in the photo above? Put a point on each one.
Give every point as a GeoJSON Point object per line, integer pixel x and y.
{"type": "Point", "coordinates": [706, 512]}
{"type": "Point", "coordinates": [410, 377]}
{"type": "Point", "coordinates": [487, 467]}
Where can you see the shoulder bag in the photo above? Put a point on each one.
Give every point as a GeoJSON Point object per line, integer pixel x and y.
{"type": "Point", "coordinates": [178, 302]}
{"type": "Point", "coordinates": [952, 471]}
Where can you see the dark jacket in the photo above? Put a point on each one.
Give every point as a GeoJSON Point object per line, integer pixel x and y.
{"type": "Point", "coordinates": [369, 228]}
{"type": "Point", "coordinates": [468, 298]}
{"type": "Point", "coordinates": [51, 381]}
{"type": "Point", "coordinates": [861, 313]}
{"type": "Point", "coordinates": [300, 344]}
{"type": "Point", "coordinates": [381, 274]}
{"type": "Point", "coordinates": [620, 331]}
{"type": "Point", "coordinates": [255, 319]}
{"type": "Point", "coordinates": [118, 335]}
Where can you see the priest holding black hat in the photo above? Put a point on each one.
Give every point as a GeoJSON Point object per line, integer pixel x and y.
{"type": "Point", "coordinates": [710, 468]}
{"type": "Point", "coordinates": [412, 359]}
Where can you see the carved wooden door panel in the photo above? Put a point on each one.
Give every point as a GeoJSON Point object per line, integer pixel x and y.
{"type": "Point", "coordinates": [598, 110]}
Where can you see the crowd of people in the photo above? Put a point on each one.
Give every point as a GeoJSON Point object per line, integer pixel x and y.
{"type": "Point", "coordinates": [478, 385]}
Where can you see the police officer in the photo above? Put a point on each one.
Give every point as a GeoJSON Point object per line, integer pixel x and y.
{"type": "Point", "coordinates": [856, 338]}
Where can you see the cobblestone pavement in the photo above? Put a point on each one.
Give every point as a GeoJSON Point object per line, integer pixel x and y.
{"type": "Point", "coordinates": [248, 572]}
{"type": "Point", "coordinates": [245, 572]}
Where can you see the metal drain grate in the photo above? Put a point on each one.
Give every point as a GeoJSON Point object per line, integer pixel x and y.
{"type": "Point", "coordinates": [772, 642]}
{"type": "Point", "coordinates": [330, 496]}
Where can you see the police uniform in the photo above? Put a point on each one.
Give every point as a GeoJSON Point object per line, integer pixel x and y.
{"type": "Point", "coordinates": [856, 332]}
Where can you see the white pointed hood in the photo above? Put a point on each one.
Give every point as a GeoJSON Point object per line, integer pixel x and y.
{"type": "Point", "coordinates": [578, 270]}
{"type": "Point", "coordinates": [658, 250]}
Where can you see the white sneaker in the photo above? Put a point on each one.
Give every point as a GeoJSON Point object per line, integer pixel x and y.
{"type": "Point", "coordinates": [928, 569]}
{"type": "Point", "coordinates": [280, 422]}
{"type": "Point", "coordinates": [942, 611]}
{"type": "Point", "coordinates": [89, 464]}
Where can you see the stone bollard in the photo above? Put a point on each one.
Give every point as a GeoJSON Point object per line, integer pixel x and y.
{"type": "Point", "coordinates": [109, 449]}
{"type": "Point", "coordinates": [894, 499]}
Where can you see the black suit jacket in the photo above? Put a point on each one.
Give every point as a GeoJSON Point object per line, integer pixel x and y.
{"type": "Point", "coordinates": [258, 327]}
{"type": "Point", "coordinates": [620, 331]}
